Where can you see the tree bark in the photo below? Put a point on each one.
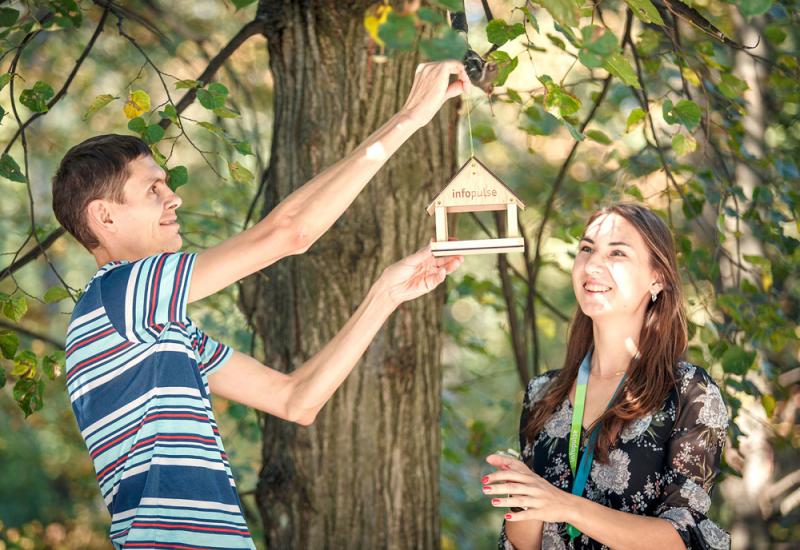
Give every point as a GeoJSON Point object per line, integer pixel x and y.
{"type": "Point", "coordinates": [366, 473]}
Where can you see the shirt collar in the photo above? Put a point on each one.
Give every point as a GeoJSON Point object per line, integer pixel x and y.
{"type": "Point", "coordinates": [105, 269]}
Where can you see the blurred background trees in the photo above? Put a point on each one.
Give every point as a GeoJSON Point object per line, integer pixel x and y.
{"type": "Point", "coordinates": [691, 107]}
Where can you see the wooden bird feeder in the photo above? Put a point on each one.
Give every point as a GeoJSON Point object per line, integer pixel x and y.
{"type": "Point", "coordinates": [475, 188]}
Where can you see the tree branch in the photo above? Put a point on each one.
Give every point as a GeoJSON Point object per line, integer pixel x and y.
{"type": "Point", "coordinates": [31, 333]}
{"type": "Point", "coordinates": [32, 254]}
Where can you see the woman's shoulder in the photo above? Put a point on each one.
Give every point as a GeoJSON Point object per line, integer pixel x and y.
{"type": "Point", "coordinates": [689, 376]}
{"type": "Point", "coordinates": [537, 386]}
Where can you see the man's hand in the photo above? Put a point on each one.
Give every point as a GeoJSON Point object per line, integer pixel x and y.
{"type": "Point", "coordinates": [417, 274]}
{"type": "Point", "coordinates": [432, 87]}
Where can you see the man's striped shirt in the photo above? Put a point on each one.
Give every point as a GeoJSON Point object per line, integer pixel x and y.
{"type": "Point", "coordinates": [137, 376]}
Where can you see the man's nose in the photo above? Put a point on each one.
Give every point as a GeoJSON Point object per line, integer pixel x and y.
{"type": "Point", "coordinates": [173, 201]}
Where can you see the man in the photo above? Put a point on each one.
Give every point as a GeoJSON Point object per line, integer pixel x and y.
{"type": "Point", "coordinates": [139, 371]}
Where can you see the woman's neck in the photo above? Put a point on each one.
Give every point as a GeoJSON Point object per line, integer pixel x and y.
{"type": "Point", "coordinates": [615, 344]}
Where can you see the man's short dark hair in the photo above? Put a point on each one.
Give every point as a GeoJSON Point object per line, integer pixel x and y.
{"type": "Point", "coordinates": [94, 169]}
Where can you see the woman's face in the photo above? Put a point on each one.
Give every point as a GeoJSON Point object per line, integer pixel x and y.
{"type": "Point", "coordinates": [612, 275]}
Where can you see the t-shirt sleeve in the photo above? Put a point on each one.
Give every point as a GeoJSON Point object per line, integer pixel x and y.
{"type": "Point", "coordinates": [212, 354]}
{"type": "Point", "coordinates": [693, 457]}
{"type": "Point", "coordinates": [140, 298]}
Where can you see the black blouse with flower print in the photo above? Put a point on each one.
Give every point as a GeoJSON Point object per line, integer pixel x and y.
{"type": "Point", "coordinates": [662, 465]}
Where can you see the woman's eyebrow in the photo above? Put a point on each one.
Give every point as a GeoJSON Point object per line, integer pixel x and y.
{"type": "Point", "coordinates": [615, 243]}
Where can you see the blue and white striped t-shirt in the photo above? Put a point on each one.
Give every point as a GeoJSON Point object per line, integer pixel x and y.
{"type": "Point", "coordinates": [137, 370]}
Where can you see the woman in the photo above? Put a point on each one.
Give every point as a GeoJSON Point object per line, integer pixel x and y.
{"type": "Point", "coordinates": [635, 467]}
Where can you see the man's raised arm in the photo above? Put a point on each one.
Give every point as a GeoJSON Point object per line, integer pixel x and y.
{"type": "Point", "coordinates": [307, 213]}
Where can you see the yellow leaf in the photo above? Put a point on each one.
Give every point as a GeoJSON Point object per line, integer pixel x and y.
{"type": "Point", "coordinates": [691, 76]}
{"type": "Point", "coordinates": [138, 103]}
{"type": "Point", "coordinates": [374, 18]}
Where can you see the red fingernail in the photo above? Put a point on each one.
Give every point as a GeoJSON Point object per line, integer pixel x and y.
{"type": "Point", "coordinates": [495, 501]}
{"type": "Point", "coordinates": [485, 479]}
{"type": "Point", "coordinates": [486, 489]}
{"type": "Point", "coordinates": [508, 516]}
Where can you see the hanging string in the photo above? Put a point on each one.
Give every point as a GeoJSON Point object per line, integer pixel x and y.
{"type": "Point", "coordinates": [469, 127]}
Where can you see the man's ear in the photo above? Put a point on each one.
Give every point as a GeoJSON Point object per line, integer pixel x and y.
{"type": "Point", "coordinates": [100, 217]}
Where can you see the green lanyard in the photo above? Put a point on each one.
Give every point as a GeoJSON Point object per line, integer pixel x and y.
{"type": "Point", "coordinates": [582, 473]}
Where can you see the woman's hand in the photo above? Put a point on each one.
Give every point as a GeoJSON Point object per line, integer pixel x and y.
{"type": "Point", "coordinates": [525, 489]}
{"type": "Point", "coordinates": [417, 274]}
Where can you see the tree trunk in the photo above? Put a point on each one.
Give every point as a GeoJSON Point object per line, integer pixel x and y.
{"type": "Point", "coordinates": [366, 473]}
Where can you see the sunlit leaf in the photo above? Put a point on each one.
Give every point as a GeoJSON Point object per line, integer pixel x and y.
{"type": "Point", "coordinates": [565, 12]}
{"type": "Point", "coordinates": [15, 308]}
{"type": "Point", "coordinates": [187, 84]}
{"type": "Point", "coordinates": [735, 360]}
{"type": "Point", "coordinates": [239, 173]}
{"type": "Point", "coordinates": [598, 136]}
{"type": "Point", "coordinates": [55, 294]}
{"type": "Point", "coordinates": [685, 112]}
{"type": "Point", "coordinates": [374, 18]}
{"type": "Point", "coordinates": [646, 11]}
{"type": "Point", "coordinates": [620, 67]}
{"type": "Point", "coordinates": [25, 364]}
{"type": "Point", "coordinates": [683, 144]}
{"type": "Point", "coordinates": [53, 364]}
{"type": "Point", "coordinates": [635, 118]}
{"type": "Point", "coordinates": [98, 103]}
{"type": "Point", "coordinates": [138, 103]}
{"type": "Point", "coordinates": [152, 133]}
{"type": "Point", "coordinates": [498, 32]}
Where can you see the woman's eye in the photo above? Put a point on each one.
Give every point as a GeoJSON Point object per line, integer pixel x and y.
{"type": "Point", "coordinates": [618, 253]}
{"type": "Point", "coordinates": [586, 248]}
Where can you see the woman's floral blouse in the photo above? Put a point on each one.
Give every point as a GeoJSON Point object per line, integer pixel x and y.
{"type": "Point", "coordinates": [663, 464]}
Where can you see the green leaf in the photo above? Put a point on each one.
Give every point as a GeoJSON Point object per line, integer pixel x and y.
{"type": "Point", "coordinates": [55, 294]}
{"type": "Point", "coordinates": [452, 5]}
{"type": "Point", "coordinates": [53, 365]}
{"type": "Point", "coordinates": [2, 377]}
{"type": "Point", "coordinates": [430, 16]}
{"type": "Point", "coordinates": [399, 32]}
{"type": "Point", "coordinates": [574, 132]}
{"type": "Point", "coordinates": [28, 395]}
{"type": "Point", "coordinates": [178, 176]}
{"type": "Point", "coordinates": [683, 145]}
{"type": "Point", "coordinates": [597, 45]}
{"type": "Point", "coordinates": [9, 343]}
{"type": "Point", "coordinates": [239, 173]}
{"type": "Point", "coordinates": [243, 147]}
{"type": "Point", "coordinates": [598, 136]}
{"type": "Point", "coordinates": [483, 133]}
{"type": "Point", "coordinates": [557, 97]}
{"type": "Point", "coordinates": [15, 308]}
{"type": "Point", "coordinates": [9, 169]}
{"type": "Point", "coordinates": [137, 125]}
{"type": "Point", "coordinates": [8, 16]}
{"type": "Point", "coordinates": [531, 19]}
{"type": "Point", "coordinates": [98, 103]}
{"type": "Point", "coordinates": [210, 100]}
{"type": "Point", "coordinates": [36, 98]}
{"type": "Point", "coordinates": [169, 112]}
{"type": "Point", "coordinates": [751, 8]}
{"type": "Point", "coordinates": [768, 402]}
{"type": "Point", "coordinates": [565, 12]}
{"type": "Point", "coordinates": [239, 4]}
{"type": "Point", "coordinates": [447, 45]}
{"type": "Point", "coordinates": [685, 112]}
{"type": "Point", "coordinates": [187, 84]}
{"type": "Point", "coordinates": [5, 78]}
{"type": "Point", "coordinates": [498, 32]}
{"type": "Point", "coordinates": [224, 112]}
{"type": "Point", "coordinates": [539, 122]}
{"type": "Point", "coordinates": [152, 133]}
{"type": "Point", "coordinates": [635, 118]}
{"type": "Point", "coordinates": [646, 11]}
{"type": "Point", "coordinates": [732, 87]}
{"type": "Point", "coordinates": [619, 66]}
{"type": "Point", "coordinates": [735, 360]}
{"type": "Point", "coordinates": [25, 364]}
{"type": "Point", "coordinates": [505, 66]}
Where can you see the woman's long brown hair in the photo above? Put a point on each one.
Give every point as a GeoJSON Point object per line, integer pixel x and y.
{"type": "Point", "coordinates": [662, 341]}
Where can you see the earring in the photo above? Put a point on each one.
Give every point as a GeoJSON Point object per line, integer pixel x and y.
{"type": "Point", "coordinates": [653, 295]}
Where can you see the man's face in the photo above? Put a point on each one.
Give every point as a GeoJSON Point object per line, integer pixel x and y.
{"type": "Point", "coordinates": [146, 221]}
